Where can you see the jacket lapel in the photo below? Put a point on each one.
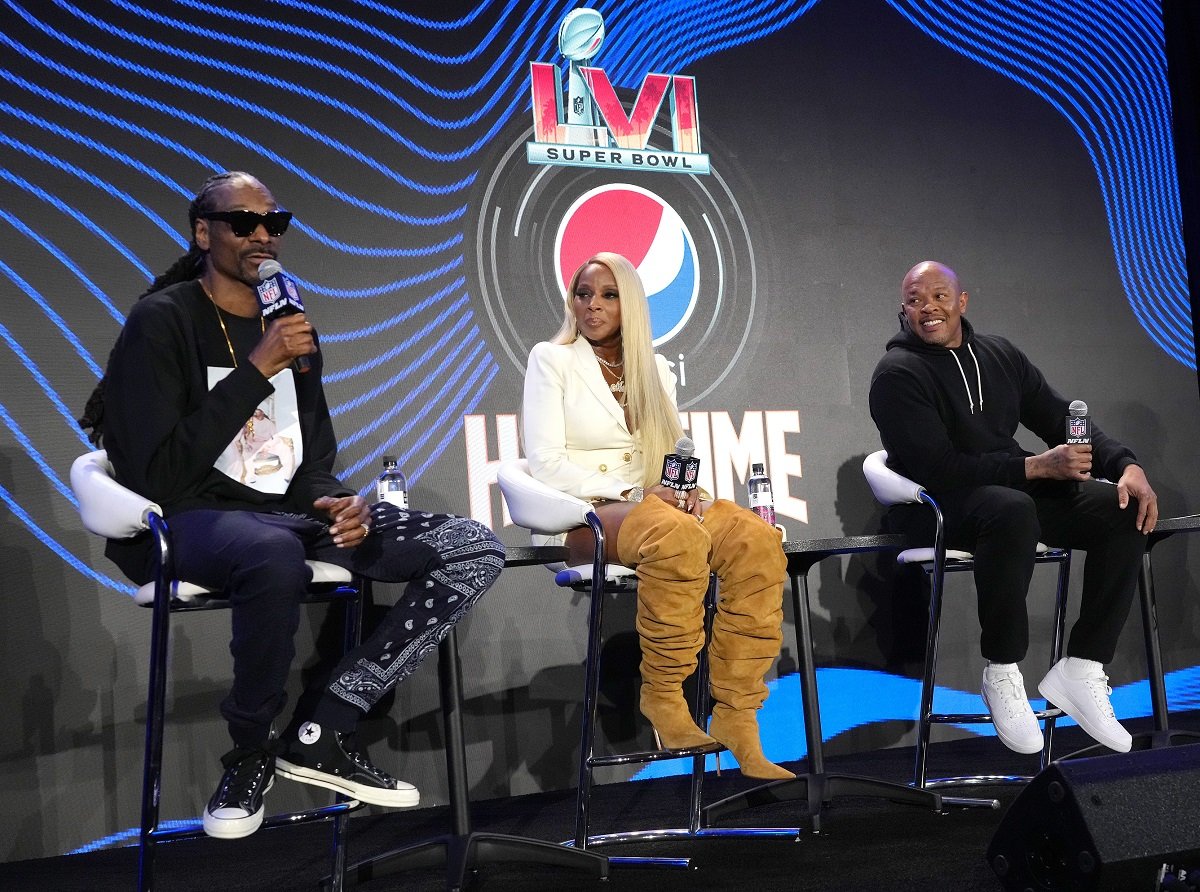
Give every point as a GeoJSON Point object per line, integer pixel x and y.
{"type": "Point", "coordinates": [588, 370]}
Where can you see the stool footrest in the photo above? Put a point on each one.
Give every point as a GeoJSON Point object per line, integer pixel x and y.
{"type": "Point", "coordinates": [977, 780]}
{"type": "Point", "coordinates": [983, 718]}
{"type": "Point", "coordinates": [194, 829]}
{"type": "Point", "coordinates": [634, 836]}
{"type": "Point", "coordinates": [654, 755]}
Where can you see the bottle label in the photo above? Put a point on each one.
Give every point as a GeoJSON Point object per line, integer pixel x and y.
{"type": "Point", "coordinates": [761, 498]}
{"type": "Point", "coordinates": [397, 497]}
{"type": "Point", "coordinates": [766, 512]}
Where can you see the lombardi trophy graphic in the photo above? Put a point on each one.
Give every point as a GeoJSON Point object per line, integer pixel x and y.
{"type": "Point", "coordinates": [579, 39]}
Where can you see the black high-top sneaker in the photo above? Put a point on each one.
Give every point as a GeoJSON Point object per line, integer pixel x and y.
{"type": "Point", "coordinates": [236, 808]}
{"type": "Point", "coordinates": [327, 758]}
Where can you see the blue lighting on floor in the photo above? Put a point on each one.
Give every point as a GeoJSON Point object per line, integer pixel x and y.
{"type": "Point", "coordinates": [855, 698]}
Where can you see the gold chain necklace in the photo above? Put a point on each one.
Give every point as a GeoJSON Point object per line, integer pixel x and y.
{"type": "Point", "coordinates": [618, 385]}
{"type": "Point", "coordinates": [221, 319]}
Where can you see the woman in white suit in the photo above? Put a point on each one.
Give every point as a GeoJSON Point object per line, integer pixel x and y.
{"type": "Point", "coordinates": [599, 414]}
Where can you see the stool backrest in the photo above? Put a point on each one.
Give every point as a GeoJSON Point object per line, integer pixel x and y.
{"type": "Point", "coordinates": [106, 507]}
{"type": "Point", "coordinates": [889, 487]}
{"type": "Point", "coordinates": [536, 506]}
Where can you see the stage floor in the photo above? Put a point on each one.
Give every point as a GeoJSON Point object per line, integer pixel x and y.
{"type": "Point", "coordinates": [864, 844]}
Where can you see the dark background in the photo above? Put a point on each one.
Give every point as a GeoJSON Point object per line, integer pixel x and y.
{"type": "Point", "coordinates": [850, 138]}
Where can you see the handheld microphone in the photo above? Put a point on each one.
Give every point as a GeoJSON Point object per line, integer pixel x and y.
{"type": "Point", "coordinates": [1079, 423]}
{"type": "Point", "coordinates": [278, 296]}
{"type": "Point", "coordinates": [680, 468]}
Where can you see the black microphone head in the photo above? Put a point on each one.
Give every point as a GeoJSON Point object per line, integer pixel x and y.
{"type": "Point", "coordinates": [1078, 407]}
{"type": "Point", "coordinates": [684, 447]}
{"type": "Point", "coordinates": [269, 268]}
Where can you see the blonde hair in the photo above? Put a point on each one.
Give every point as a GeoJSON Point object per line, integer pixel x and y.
{"type": "Point", "coordinates": [653, 418]}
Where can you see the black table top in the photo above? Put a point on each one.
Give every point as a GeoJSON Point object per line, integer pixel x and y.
{"type": "Point", "coordinates": [532, 555]}
{"type": "Point", "coordinates": [801, 553]}
{"type": "Point", "coordinates": [1169, 526]}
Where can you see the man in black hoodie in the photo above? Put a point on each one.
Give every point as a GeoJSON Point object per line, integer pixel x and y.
{"type": "Point", "coordinates": [947, 402]}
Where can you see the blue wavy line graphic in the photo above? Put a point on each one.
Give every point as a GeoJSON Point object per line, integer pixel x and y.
{"type": "Point", "coordinates": [1078, 59]}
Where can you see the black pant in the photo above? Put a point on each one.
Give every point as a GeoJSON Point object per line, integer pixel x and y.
{"type": "Point", "coordinates": [447, 561]}
{"type": "Point", "coordinates": [1001, 526]}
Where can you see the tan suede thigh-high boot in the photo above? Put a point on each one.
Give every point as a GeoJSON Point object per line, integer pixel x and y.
{"type": "Point", "coordinates": [747, 632]}
{"type": "Point", "coordinates": [669, 551]}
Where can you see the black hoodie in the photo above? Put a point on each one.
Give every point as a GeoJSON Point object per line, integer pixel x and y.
{"type": "Point", "coordinates": [947, 417]}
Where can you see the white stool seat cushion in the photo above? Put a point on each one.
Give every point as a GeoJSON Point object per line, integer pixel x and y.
{"type": "Point", "coordinates": [583, 573]}
{"type": "Point", "coordinates": [190, 593]}
{"type": "Point", "coordinates": [925, 555]}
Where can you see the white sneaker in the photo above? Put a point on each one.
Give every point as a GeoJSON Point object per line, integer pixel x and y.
{"type": "Point", "coordinates": [1080, 689]}
{"type": "Point", "coordinates": [1003, 692]}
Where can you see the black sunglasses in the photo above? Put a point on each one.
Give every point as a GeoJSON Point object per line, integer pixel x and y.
{"type": "Point", "coordinates": [243, 223]}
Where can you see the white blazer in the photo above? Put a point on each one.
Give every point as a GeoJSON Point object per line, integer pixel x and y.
{"type": "Point", "coordinates": [576, 439]}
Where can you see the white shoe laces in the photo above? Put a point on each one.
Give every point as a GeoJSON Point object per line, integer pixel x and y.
{"type": "Point", "coordinates": [1011, 688]}
{"type": "Point", "coordinates": [1094, 683]}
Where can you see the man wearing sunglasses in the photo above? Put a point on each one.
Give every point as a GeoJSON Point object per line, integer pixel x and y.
{"type": "Point", "coordinates": [190, 368]}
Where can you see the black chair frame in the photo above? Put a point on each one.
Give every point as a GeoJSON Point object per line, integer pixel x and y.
{"type": "Point", "coordinates": [163, 606]}
{"type": "Point", "coordinates": [589, 760]}
{"type": "Point", "coordinates": [936, 570]}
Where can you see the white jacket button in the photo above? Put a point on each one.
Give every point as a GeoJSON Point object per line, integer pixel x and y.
{"type": "Point", "coordinates": [604, 469]}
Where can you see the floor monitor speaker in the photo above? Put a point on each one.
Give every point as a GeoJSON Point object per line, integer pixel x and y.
{"type": "Point", "coordinates": [1102, 823]}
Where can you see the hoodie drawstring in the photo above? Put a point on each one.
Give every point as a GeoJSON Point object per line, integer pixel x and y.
{"type": "Point", "coordinates": [978, 379]}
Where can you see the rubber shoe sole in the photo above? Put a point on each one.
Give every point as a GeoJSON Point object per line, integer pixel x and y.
{"type": "Point", "coordinates": [406, 797]}
{"type": "Point", "coordinates": [234, 828]}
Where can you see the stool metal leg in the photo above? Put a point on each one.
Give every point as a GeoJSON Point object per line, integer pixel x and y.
{"type": "Point", "coordinates": [463, 851]}
{"type": "Point", "coordinates": [1162, 735]}
{"type": "Point", "coordinates": [1056, 652]}
{"type": "Point", "coordinates": [156, 705]}
{"type": "Point", "coordinates": [589, 760]}
{"type": "Point", "coordinates": [928, 718]}
{"type": "Point", "coordinates": [816, 788]}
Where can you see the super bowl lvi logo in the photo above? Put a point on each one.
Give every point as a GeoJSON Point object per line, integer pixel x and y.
{"type": "Point", "coordinates": [591, 127]}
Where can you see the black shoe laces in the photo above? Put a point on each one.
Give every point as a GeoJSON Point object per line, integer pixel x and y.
{"type": "Point", "coordinates": [360, 759]}
{"type": "Point", "coordinates": [245, 772]}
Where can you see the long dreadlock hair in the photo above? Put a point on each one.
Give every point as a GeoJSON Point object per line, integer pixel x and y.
{"type": "Point", "coordinates": [187, 267]}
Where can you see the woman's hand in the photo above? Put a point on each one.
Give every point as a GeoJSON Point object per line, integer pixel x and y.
{"type": "Point", "coordinates": [688, 500]}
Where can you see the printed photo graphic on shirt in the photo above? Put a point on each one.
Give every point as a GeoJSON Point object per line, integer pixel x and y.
{"type": "Point", "coordinates": [269, 447]}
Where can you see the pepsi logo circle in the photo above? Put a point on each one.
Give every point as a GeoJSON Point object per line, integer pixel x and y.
{"type": "Point", "coordinates": [639, 224]}
{"type": "Point", "coordinates": [687, 236]}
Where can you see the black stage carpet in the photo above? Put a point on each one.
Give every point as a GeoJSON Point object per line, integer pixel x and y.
{"type": "Point", "coordinates": [864, 844]}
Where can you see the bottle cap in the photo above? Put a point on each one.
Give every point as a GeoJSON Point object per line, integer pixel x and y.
{"type": "Point", "coordinates": [757, 468]}
{"type": "Point", "coordinates": [389, 460]}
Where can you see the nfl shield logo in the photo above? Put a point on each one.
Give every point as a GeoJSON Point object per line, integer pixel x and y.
{"type": "Point", "coordinates": [268, 292]}
{"type": "Point", "coordinates": [671, 469]}
{"type": "Point", "coordinates": [1078, 427]}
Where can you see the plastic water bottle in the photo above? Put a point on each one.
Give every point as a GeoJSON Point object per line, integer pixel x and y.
{"type": "Point", "coordinates": [392, 485]}
{"type": "Point", "coordinates": [758, 487]}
